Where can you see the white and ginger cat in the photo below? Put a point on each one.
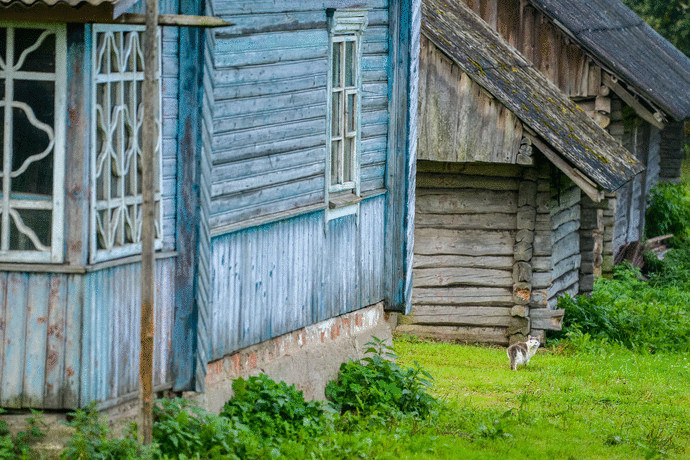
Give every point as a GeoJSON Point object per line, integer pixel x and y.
{"type": "Point", "coordinates": [522, 352]}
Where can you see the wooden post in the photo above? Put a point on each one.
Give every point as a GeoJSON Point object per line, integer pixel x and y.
{"type": "Point", "coordinates": [148, 231]}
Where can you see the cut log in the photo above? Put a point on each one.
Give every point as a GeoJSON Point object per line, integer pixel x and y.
{"type": "Point", "coordinates": [459, 316]}
{"type": "Point", "coordinates": [543, 318]}
{"type": "Point", "coordinates": [457, 333]}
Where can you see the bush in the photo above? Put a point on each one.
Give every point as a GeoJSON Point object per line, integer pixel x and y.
{"type": "Point", "coordinates": [276, 410]}
{"type": "Point", "coordinates": [669, 212]}
{"type": "Point", "coordinates": [377, 385]}
{"type": "Point", "coordinates": [673, 270]}
{"type": "Point", "coordinates": [183, 430]}
{"type": "Point", "coordinates": [20, 445]}
{"type": "Point", "coordinates": [92, 440]}
{"type": "Point", "coordinates": [631, 312]}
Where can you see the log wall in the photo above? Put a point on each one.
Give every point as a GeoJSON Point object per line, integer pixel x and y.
{"type": "Point", "coordinates": [565, 223]}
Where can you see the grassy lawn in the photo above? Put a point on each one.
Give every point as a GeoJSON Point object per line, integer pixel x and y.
{"type": "Point", "coordinates": [603, 403]}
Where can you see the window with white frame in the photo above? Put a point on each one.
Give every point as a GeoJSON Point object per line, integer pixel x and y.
{"type": "Point", "coordinates": [32, 84]}
{"type": "Point", "coordinates": [117, 118]}
{"type": "Point", "coordinates": [344, 89]}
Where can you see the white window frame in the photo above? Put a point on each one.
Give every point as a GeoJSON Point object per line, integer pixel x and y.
{"type": "Point", "coordinates": [54, 252]}
{"type": "Point", "coordinates": [342, 197]}
{"type": "Point", "coordinates": [119, 250]}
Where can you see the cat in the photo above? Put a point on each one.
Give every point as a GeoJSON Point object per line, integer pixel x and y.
{"type": "Point", "coordinates": [522, 352]}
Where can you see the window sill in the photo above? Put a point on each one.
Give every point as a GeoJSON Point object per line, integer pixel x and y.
{"type": "Point", "coordinates": [78, 269]}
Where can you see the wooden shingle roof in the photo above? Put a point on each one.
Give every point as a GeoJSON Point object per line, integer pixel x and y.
{"type": "Point", "coordinates": [621, 42]}
{"type": "Point", "coordinates": [113, 8]}
{"type": "Point", "coordinates": [497, 67]}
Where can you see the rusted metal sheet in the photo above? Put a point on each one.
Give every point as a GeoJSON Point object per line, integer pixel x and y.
{"type": "Point", "coordinates": [283, 276]}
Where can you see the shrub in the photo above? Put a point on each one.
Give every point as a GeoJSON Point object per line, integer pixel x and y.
{"type": "Point", "coordinates": [183, 430]}
{"type": "Point", "coordinates": [20, 445]}
{"type": "Point", "coordinates": [672, 270]}
{"type": "Point", "coordinates": [92, 440]}
{"type": "Point", "coordinates": [276, 410]}
{"type": "Point", "coordinates": [631, 312]}
{"type": "Point", "coordinates": [377, 385]}
{"type": "Point", "coordinates": [669, 212]}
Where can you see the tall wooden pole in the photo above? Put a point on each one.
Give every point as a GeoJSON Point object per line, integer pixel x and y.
{"type": "Point", "coordinates": [148, 210]}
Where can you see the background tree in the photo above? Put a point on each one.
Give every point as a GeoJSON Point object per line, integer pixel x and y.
{"type": "Point", "coordinates": [671, 18]}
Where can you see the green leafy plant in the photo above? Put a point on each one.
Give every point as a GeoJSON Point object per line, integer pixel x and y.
{"type": "Point", "coordinates": [274, 409]}
{"type": "Point", "coordinates": [20, 445]}
{"type": "Point", "coordinates": [183, 430]}
{"type": "Point", "coordinates": [669, 212]}
{"type": "Point", "coordinates": [92, 439]}
{"type": "Point", "coordinates": [375, 384]}
{"type": "Point", "coordinates": [633, 313]}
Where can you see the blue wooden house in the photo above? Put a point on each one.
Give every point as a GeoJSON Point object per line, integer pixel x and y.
{"type": "Point", "coordinates": [284, 197]}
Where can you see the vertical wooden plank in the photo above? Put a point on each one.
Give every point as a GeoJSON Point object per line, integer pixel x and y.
{"type": "Point", "coordinates": [3, 327]}
{"type": "Point", "coordinates": [55, 355]}
{"type": "Point", "coordinates": [36, 340]}
{"type": "Point", "coordinates": [77, 140]}
{"type": "Point", "coordinates": [15, 340]}
{"type": "Point", "coordinates": [88, 345]}
{"type": "Point", "coordinates": [185, 328]}
{"type": "Point", "coordinates": [405, 22]}
{"type": "Point", "coordinates": [73, 341]}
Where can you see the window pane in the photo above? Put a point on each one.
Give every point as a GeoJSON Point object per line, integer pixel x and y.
{"type": "Point", "coordinates": [348, 158]}
{"type": "Point", "coordinates": [3, 43]}
{"type": "Point", "coordinates": [350, 115]}
{"type": "Point", "coordinates": [336, 64]}
{"type": "Point", "coordinates": [42, 59]}
{"type": "Point", "coordinates": [335, 161]}
{"type": "Point", "coordinates": [37, 224]}
{"type": "Point", "coordinates": [350, 64]}
{"type": "Point", "coordinates": [32, 121]}
{"type": "Point", "coordinates": [336, 114]}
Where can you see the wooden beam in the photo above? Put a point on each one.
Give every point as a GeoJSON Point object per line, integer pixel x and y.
{"type": "Point", "coordinates": [175, 20]}
{"type": "Point", "coordinates": [148, 211]}
{"type": "Point", "coordinates": [632, 101]}
{"type": "Point", "coordinates": [582, 181]}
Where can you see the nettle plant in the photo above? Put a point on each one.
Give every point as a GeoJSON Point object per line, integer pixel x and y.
{"type": "Point", "coordinates": [376, 384]}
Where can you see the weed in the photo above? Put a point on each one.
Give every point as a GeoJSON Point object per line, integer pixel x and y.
{"type": "Point", "coordinates": [276, 410]}
{"type": "Point", "coordinates": [92, 440]}
{"type": "Point", "coordinates": [376, 385]}
{"type": "Point", "coordinates": [20, 445]}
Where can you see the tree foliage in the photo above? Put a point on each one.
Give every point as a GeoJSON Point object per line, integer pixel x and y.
{"type": "Point", "coordinates": [671, 18]}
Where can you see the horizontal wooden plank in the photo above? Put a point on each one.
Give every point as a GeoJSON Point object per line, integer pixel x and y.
{"type": "Point", "coordinates": [441, 180]}
{"type": "Point", "coordinates": [274, 116]}
{"type": "Point", "coordinates": [265, 134]}
{"type": "Point", "coordinates": [456, 333]}
{"type": "Point", "coordinates": [463, 242]}
{"type": "Point", "coordinates": [472, 169]}
{"type": "Point", "coordinates": [464, 276]}
{"type": "Point", "coordinates": [563, 283]}
{"type": "Point", "coordinates": [494, 221]}
{"type": "Point", "coordinates": [260, 165]}
{"type": "Point", "coordinates": [438, 260]}
{"type": "Point", "coordinates": [230, 152]}
{"type": "Point", "coordinates": [269, 178]}
{"type": "Point", "coordinates": [251, 106]}
{"type": "Point", "coordinates": [463, 296]}
{"type": "Point", "coordinates": [471, 201]}
{"type": "Point", "coordinates": [459, 316]}
{"type": "Point", "coordinates": [228, 8]}
{"type": "Point", "coordinates": [571, 263]}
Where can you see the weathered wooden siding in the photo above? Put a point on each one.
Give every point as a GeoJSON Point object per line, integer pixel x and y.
{"type": "Point", "coordinates": [463, 263]}
{"type": "Point", "coordinates": [169, 87]}
{"type": "Point", "coordinates": [68, 339]}
{"type": "Point", "coordinates": [266, 93]}
{"type": "Point", "coordinates": [459, 121]}
{"type": "Point", "coordinates": [278, 277]}
{"type": "Point", "coordinates": [643, 141]}
{"type": "Point", "coordinates": [565, 252]}
{"type": "Point", "coordinates": [542, 43]}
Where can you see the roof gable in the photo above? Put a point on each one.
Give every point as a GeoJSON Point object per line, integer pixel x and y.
{"type": "Point", "coordinates": [488, 60]}
{"type": "Point", "coordinates": [625, 45]}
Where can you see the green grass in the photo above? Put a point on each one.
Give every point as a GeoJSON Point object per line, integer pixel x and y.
{"type": "Point", "coordinates": [608, 402]}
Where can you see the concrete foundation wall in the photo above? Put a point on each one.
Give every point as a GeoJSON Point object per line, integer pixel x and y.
{"type": "Point", "coordinates": [309, 357]}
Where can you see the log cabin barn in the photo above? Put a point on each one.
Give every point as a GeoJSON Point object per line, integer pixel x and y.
{"type": "Point", "coordinates": [627, 77]}
{"type": "Point", "coordinates": [504, 160]}
{"type": "Point", "coordinates": [284, 200]}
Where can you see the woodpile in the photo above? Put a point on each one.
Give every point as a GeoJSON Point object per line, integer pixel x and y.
{"type": "Point", "coordinates": [634, 251]}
